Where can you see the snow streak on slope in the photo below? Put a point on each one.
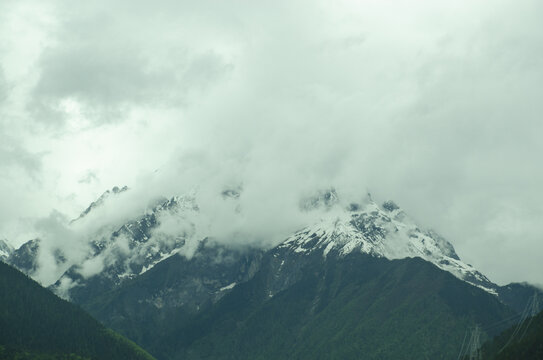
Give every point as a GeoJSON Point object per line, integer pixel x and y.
{"type": "Point", "coordinates": [5, 250]}
{"type": "Point", "coordinates": [382, 232]}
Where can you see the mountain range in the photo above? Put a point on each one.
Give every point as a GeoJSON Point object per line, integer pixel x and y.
{"type": "Point", "coordinates": [362, 278]}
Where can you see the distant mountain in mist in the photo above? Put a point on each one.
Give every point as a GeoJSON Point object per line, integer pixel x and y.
{"type": "Point", "coordinates": [361, 279]}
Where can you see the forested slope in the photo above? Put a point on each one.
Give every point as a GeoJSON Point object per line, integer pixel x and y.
{"type": "Point", "coordinates": [36, 324]}
{"type": "Point", "coordinates": [521, 342]}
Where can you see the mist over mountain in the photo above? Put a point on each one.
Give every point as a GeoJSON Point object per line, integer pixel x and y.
{"type": "Point", "coordinates": [166, 281]}
{"type": "Point", "coordinates": [283, 99]}
{"type": "Point", "coordinates": [107, 236]}
{"type": "Point", "coordinates": [289, 179]}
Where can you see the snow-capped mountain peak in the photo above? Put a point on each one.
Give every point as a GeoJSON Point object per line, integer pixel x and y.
{"type": "Point", "coordinates": [176, 225]}
{"type": "Point", "coordinates": [382, 232]}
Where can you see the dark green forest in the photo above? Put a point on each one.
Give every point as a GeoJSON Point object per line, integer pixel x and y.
{"type": "Point", "coordinates": [345, 308]}
{"type": "Point", "coordinates": [520, 342]}
{"type": "Point", "coordinates": [36, 324]}
{"type": "Point", "coordinates": [357, 306]}
{"type": "Point", "coordinates": [9, 353]}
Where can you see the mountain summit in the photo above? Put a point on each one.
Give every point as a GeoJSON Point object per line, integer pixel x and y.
{"type": "Point", "coordinates": [126, 251]}
{"type": "Point", "coordinates": [384, 231]}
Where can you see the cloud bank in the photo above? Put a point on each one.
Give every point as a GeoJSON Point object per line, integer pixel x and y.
{"type": "Point", "coordinates": [434, 104]}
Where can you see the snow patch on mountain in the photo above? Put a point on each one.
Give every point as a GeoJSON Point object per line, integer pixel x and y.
{"type": "Point", "coordinates": [163, 256]}
{"type": "Point", "coordinates": [228, 287]}
{"type": "Point", "coordinates": [5, 250]}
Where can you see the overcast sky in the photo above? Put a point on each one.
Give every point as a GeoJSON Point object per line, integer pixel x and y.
{"type": "Point", "coordinates": [435, 104]}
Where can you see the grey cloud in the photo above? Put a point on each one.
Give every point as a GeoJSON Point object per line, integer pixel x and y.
{"type": "Point", "coordinates": [107, 84]}
{"type": "Point", "coordinates": [57, 242]}
{"type": "Point", "coordinates": [14, 156]}
{"type": "Point", "coordinates": [110, 64]}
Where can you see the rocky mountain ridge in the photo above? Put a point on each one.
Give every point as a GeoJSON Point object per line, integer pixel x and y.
{"type": "Point", "coordinates": [132, 249]}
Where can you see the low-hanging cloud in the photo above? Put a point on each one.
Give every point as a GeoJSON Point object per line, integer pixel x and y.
{"type": "Point", "coordinates": [431, 103]}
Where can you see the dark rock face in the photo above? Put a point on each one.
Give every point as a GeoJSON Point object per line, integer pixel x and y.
{"type": "Point", "coordinates": [192, 283]}
{"type": "Point", "coordinates": [176, 288]}
{"type": "Point", "coordinates": [366, 223]}
{"type": "Point", "coordinates": [390, 205]}
{"type": "Point", "coordinates": [120, 265]}
{"type": "Point", "coordinates": [25, 257]}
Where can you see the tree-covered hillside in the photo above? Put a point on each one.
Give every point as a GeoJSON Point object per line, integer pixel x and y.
{"type": "Point", "coordinates": [344, 308]}
{"type": "Point", "coordinates": [523, 341]}
{"type": "Point", "coordinates": [37, 325]}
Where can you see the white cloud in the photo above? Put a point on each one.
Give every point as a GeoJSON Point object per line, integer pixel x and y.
{"type": "Point", "coordinates": [432, 103]}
